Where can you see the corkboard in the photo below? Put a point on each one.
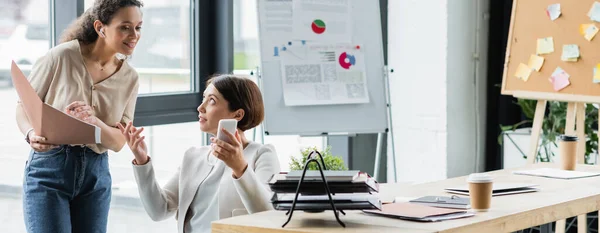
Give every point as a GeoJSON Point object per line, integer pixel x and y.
{"type": "Point", "coordinates": [529, 22]}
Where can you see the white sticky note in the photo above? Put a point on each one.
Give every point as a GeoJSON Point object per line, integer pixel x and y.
{"type": "Point", "coordinates": [553, 11]}
{"type": "Point", "coordinates": [570, 52]}
{"type": "Point", "coordinates": [596, 77]}
{"type": "Point", "coordinates": [588, 31]}
{"type": "Point", "coordinates": [545, 45]}
{"type": "Point", "coordinates": [559, 72]}
{"type": "Point", "coordinates": [594, 12]}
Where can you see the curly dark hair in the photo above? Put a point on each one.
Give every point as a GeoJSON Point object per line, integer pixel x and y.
{"type": "Point", "coordinates": [83, 30]}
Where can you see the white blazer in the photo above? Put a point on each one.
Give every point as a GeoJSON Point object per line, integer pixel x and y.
{"type": "Point", "coordinates": [248, 194]}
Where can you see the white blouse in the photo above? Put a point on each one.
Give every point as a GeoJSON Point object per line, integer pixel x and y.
{"type": "Point", "coordinates": [206, 192]}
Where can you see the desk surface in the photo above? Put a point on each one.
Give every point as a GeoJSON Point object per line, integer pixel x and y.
{"type": "Point", "coordinates": [557, 199]}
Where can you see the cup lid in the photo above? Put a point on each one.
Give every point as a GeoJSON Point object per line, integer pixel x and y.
{"type": "Point", "coordinates": [479, 178]}
{"type": "Point", "coordinates": [569, 138]}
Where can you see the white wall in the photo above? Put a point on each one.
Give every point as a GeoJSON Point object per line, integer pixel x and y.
{"type": "Point", "coordinates": [417, 50]}
{"type": "Point", "coordinates": [438, 103]}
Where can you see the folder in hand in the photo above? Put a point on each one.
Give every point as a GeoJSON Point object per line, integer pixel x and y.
{"type": "Point", "coordinates": [56, 126]}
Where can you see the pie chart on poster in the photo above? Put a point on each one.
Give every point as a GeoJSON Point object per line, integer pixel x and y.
{"type": "Point", "coordinates": [318, 26]}
{"type": "Point", "coordinates": [346, 60]}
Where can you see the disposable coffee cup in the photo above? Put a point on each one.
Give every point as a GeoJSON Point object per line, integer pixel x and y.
{"type": "Point", "coordinates": [480, 191]}
{"type": "Point", "coordinates": [567, 146]}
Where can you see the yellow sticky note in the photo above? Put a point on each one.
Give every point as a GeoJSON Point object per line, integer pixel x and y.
{"type": "Point", "coordinates": [597, 74]}
{"type": "Point", "coordinates": [535, 62]}
{"type": "Point", "coordinates": [545, 45]}
{"type": "Point", "coordinates": [523, 72]}
{"type": "Point", "coordinates": [571, 59]}
{"type": "Point", "coordinates": [588, 31]}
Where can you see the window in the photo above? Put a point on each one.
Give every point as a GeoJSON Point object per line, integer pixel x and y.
{"type": "Point", "coordinates": [162, 56]}
{"type": "Point", "coordinates": [246, 59]}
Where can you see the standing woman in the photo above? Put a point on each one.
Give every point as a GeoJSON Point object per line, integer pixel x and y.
{"type": "Point", "coordinates": [67, 188]}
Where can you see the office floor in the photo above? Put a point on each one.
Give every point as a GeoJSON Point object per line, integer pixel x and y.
{"type": "Point", "coordinates": [120, 219]}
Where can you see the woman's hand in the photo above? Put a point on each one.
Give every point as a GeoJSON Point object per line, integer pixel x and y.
{"type": "Point", "coordinates": [81, 111]}
{"type": "Point", "coordinates": [38, 144]}
{"type": "Point", "coordinates": [135, 142]}
{"type": "Point", "coordinates": [232, 154]}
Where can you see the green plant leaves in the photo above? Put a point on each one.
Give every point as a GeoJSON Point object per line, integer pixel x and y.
{"type": "Point", "coordinates": [331, 162]}
{"type": "Point", "coordinates": [554, 125]}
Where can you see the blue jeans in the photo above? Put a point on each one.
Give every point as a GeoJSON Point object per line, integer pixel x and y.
{"type": "Point", "coordinates": [66, 189]}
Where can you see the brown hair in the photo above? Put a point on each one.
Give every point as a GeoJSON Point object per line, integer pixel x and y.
{"type": "Point", "coordinates": [241, 93]}
{"type": "Point", "coordinates": [83, 30]}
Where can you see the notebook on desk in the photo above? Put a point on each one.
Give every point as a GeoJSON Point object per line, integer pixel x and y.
{"type": "Point", "coordinates": [421, 213]}
{"type": "Point", "coordinates": [498, 189]}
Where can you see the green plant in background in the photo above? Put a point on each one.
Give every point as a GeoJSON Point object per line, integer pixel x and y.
{"type": "Point", "coordinates": [554, 125]}
{"type": "Point", "coordinates": [331, 162]}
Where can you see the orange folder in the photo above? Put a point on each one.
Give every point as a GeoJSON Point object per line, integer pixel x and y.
{"type": "Point", "coordinates": [56, 126]}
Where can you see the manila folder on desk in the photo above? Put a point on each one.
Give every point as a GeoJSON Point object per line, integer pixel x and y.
{"type": "Point", "coordinates": [56, 126]}
{"type": "Point", "coordinates": [416, 212]}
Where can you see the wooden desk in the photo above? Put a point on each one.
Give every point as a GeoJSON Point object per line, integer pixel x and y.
{"type": "Point", "coordinates": [558, 199]}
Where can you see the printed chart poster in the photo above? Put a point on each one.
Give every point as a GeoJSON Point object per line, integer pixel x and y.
{"type": "Point", "coordinates": [322, 20]}
{"type": "Point", "coordinates": [324, 74]}
{"type": "Point", "coordinates": [276, 26]}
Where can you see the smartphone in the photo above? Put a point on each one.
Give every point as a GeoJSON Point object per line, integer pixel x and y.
{"type": "Point", "coordinates": [228, 124]}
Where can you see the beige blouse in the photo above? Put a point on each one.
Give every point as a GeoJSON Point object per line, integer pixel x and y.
{"type": "Point", "coordinates": [60, 77]}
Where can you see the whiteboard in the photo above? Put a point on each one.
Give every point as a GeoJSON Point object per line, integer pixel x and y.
{"type": "Point", "coordinates": [368, 117]}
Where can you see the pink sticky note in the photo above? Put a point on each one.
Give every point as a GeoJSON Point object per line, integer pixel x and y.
{"type": "Point", "coordinates": [560, 82]}
{"type": "Point", "coordinates": [559, 79]}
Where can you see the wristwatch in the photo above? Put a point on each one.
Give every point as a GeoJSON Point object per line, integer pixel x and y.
{"type": "Point", "coordinates": [27, 136]}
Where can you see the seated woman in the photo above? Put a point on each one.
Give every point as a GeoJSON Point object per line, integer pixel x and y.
{"type": "Point", "coordinates": [216, 181]}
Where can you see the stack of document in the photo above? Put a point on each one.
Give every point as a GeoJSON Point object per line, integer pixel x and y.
{"type": "Point", "coordinates": [321, 202]}
{"type": "Point", "coordinates": [329, 175]}
{"type": "Point", "coordinates": [350, 190]}
{"type": "Point", "coordinates": [420, 213]}
{"type": "Point", "coordinates": [313, 184]}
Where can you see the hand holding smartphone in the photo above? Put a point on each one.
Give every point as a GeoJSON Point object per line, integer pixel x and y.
{"type": "Point", "coordinates": [228, 124]}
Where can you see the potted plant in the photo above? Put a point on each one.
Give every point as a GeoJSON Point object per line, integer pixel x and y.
{"type": "Point", "coordinates": [331, 162]}
{"type": "Point", "coordinates": [553, 125]}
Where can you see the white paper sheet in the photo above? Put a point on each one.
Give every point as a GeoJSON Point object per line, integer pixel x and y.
{"type": "Point", "coordinates": [323, 74]}
{"type": "Point", "coordinates": [276, 26]}
{"type": "Point", "coordinates": [556, 173]}
{"type": "Point", "coordinates": [322, 20]}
